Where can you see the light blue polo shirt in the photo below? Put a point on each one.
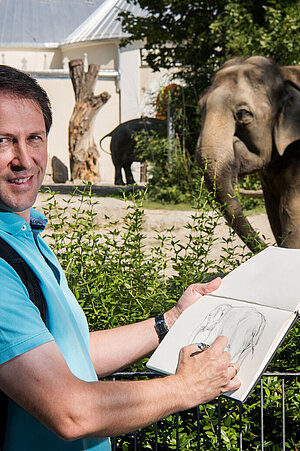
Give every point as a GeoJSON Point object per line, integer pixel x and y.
{"type": "Point", "coordinates": [22, 329]}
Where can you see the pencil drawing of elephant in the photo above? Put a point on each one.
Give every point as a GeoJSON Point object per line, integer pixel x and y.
{"type": "Point", "coordinates": [122, 144]}
{"type": "Point", "coordinates": [251, 123]}
{"type": "Point", "coordinates": [242, 326]}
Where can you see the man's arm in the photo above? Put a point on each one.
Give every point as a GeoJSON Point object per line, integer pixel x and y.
{"type": "Point", "coordinates": [41, 382]}
{"type": "Point", "coordinates": [114, 349]}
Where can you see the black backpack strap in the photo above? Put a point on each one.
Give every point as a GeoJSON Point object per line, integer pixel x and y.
{"type": "Point", "coordinates": [31, 282]}
{"type": "Point", "coordinates": [26, 274]}
{"type": "Point", "coordinates": [3, 416]}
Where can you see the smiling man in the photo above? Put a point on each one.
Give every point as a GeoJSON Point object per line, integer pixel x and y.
{"type": "Point", "coordinates": [23, 153]}
{"type": "Point", "coordinates": [49, 368]}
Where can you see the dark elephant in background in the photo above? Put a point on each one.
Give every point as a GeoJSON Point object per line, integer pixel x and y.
{"type": "Point", "coordinates": [251, 123]}
{"type": "Point", "coordinates": [123, 142]}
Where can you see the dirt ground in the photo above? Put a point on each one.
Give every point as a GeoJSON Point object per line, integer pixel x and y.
{"type": "Point", "coordinates": [161, 220]}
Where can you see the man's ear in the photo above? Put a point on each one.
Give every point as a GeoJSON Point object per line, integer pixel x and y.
{"type": "Point", "coordinates": [287, 127]}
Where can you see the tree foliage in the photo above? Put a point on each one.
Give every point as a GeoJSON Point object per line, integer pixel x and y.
{"type": "Point", "coordinates": [199, 36]}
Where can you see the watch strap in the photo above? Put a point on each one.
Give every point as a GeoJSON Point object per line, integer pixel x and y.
{"type": "Point", "coordinates": [161, 326]}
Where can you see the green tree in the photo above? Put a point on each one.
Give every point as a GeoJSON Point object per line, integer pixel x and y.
{"type": "Point", "coordinates": [200, 35]}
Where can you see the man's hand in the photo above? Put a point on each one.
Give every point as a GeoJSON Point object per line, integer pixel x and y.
{"type": "Point", "coordinates": [115, 349]}
{"type": "Point", "coordinates": [192, 294]}
{"type": "Point", "coordinates": [204, 375]}
{"type": "Point", "coordinates": [195, 292]}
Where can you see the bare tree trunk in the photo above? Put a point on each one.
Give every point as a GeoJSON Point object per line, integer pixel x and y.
{"type": "Point", "coordinates": [82, 148]}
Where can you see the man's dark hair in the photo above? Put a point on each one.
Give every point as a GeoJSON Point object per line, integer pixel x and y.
{"type": "Point", "coordinates": [19, 84]}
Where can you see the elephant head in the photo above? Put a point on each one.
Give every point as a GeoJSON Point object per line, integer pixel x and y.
{"type": "Point", "coordinates": [250, 115]}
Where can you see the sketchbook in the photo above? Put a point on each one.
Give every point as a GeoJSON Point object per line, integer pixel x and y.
{"type": "Point", "coordinates": [255, 307]}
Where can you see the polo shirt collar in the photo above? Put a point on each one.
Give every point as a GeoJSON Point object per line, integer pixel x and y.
{"type": "Point", "coordinates": [14, 224]}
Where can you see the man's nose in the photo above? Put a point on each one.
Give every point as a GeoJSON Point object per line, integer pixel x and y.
{"type": "Point", "coordinates": [22, 158]}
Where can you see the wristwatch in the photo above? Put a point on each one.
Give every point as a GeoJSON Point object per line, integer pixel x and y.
{"type": "Point", "coordinates": [161, 326]}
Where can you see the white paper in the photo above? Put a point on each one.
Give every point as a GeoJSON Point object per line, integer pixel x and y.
{"type": "Point", "coordinates": [254, 308]}
{"type": "Point", "coordinates": [269, 278]}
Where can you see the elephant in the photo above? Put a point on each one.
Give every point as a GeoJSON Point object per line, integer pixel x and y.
{"type": "Point", "coordinates": [123, 142]}
{"type": "Point", "coordinates": [251, 123]}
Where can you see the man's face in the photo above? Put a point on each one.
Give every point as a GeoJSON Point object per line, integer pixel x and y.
{"type": "Point", "coordinates": [23, 153]}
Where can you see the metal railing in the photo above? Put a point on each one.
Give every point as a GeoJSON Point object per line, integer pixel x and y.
{"type": "Point", "coordinates": [135, 445]}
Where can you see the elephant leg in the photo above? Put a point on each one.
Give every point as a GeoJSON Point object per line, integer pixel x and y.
{"type": "Point", "coordinates": [272, 201]}
{"type": "Point", "coordinates": [290, 200]}
{"type": "Point", "coordinates": [284, 217]}
{"type": "Point", "coordinates": [281, 187]}
{"type": "Point", "coordinates": [290, 218]}
{"type": "Point", "coordinates": [128, 174]}
{"type": "Point", "coordinates": [118, 175]}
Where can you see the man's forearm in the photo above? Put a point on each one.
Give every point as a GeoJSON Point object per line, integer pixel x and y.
{"type": "Point", "coordinates": [114, 349]}
{"type": "Point", "coordinates": [73, 408]}
{"type": "Point", "coordinates": [113, 408]}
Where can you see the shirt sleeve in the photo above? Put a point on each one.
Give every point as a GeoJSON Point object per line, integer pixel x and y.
{"type": "Point", "coordinates": [21, 326]}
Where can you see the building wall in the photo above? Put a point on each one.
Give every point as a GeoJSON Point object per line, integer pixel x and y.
{"type": "Point", "coordinates": [130, 83]}
{"type": "Point", "coordinates": [150, 86]}
{"type": "Point", "coordinates": [32, 59]}
{"type": "Point", "coordinates": [105, 54]}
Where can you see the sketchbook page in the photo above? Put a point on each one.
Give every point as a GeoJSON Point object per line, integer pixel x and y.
{"type": "Point", "coordinates": [249, 379]}
{"type": "Point", "coordinates": [250, 330]}
{"type": "Point", "coordinates": [269, 278]}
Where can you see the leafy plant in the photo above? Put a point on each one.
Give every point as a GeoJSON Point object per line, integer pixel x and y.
{"type": "Point", "coordinates": [172, 171]}
{"type": "Point", "coordinates": [250, 182]}
{"type": "Point", "coordinates": [117, 281]}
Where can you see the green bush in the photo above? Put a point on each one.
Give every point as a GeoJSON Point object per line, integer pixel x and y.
{"type": "Point", "coordinates": [250, 182]}
{"type": "Point", "coordinates": [117, 281]}
{"type": "Point", "coordinates": [172, 173]}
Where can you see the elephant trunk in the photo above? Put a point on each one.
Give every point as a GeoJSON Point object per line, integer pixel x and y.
{"type": "Point", "coordinates": [216, 156]}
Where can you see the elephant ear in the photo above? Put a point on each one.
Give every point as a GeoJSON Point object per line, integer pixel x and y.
{"type": "Point", "coordinates": [287, 128]}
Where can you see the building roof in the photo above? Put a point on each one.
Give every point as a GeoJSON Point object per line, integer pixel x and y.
{"type": "Point", "coordinates": [36, 23]}
{"type": "Point", "coordinates": [103, 23]}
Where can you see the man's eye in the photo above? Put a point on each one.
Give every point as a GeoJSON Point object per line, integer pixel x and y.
{"type": "Point", "coordinates": [5, 141]}
{"type": "Point", "coordinates": [35, 138]}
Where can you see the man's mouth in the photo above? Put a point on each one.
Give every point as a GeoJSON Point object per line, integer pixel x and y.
{"type": "Point", "coordinates": [20, 181]}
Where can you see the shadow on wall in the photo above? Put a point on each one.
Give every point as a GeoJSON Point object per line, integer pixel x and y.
{"type": "Point", "coordinates": [59, 171]}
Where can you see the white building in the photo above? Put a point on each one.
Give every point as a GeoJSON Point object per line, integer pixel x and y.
{"type": "Point", "coordinates": [42, 36]}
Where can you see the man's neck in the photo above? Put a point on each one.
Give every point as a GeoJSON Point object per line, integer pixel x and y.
{"type": "Point", "coordinates": [24, 214]}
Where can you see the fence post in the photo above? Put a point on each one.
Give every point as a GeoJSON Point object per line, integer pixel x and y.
{"type": "Point", "coordinates": [283, 414]}
{"type": "Point", "coordinates": [241, 425]}
{"type": "Point", "coordinates": [262, 414]}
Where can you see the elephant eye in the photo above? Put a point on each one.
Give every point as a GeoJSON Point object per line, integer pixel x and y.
{"type": "Point", "coordinates": [244, 116]}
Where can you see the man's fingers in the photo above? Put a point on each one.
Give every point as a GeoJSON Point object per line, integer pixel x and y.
{"type": "Point", "coordinates": [216, 349]}
{"type": "Point", "coordinates": [233, 369]}
{"type": "Point", "coordinates": [218, 346]}
{"type": "Point", "coordinates": [205, 288]}
{"type": "Point", "coordinates": [233, 385]}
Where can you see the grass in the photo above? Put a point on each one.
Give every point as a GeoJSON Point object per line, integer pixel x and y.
{"type": "Point", "coordinates": [184, 206]}
{"type": "Point", "coordinates": [255, 211]}
{"type": "Point", "coordinates": [153, 205]}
